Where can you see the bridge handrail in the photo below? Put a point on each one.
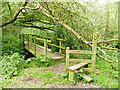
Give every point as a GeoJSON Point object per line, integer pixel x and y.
{"type": "Point", "coordinates": [48, 37]}
{"type": "Point", "coordinates": [45, 41]}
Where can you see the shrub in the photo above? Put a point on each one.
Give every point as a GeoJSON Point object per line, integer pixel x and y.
{"type": "Point", "coordinates": [11, 44]}
{"type": "Point", "coordinates": [10, 65]}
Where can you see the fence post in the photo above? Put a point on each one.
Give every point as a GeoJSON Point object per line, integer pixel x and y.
{"type": "Point", "coordinates": [67, 58]}
{"type": "Point", "coordinates": [45, 47]}
{"type": "Point", "coordinates": [28, 41]}
{"type": "Point", "coordinates": [94, 46]}
{"type": "Point", "coordinates": [60, 44]}
{"type": "Point", "coordinates": [34, 45]}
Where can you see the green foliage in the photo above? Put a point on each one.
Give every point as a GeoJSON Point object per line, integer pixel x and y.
{"type": "Point", "coordinates": [11, 44]}
{"type": "Point", "coordinates": [10, 65]}
{"type": "Point", "coordinates": [107, 77]}
{"type": "Point", "coordinates": [40, 61]}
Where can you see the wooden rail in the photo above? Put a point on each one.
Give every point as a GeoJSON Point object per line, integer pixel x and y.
{"type": "Point", "coordinates": [83, 61]}
{"type": "Point", "coordinates": [43, 39]}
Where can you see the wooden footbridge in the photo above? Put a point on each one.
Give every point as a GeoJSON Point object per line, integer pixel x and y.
{"type": "Point", "coordinates": [33, 43]}
{"type": "Point", "coordinates": [38, 44]}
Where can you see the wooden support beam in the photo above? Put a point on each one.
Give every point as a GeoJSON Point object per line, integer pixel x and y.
{"type": "Point", "coordinates": [28, 41]}
{"type": "Point", "coordinates": [80, 52]}
{"type": "Point", "coordinates": [35, 46]}
{"type": "Point", "coordinates": [71, 75]}
{"type": "Point", "coordinates": [81, 60]}
{"type": "Point", "coordinates": [67, 58]}
{"type": "Point", "coordinates": [45, 47]}
{"type": "Point", "coordinates": [60, 44]}
{"type": "Point", "coordinates": [55, 46]}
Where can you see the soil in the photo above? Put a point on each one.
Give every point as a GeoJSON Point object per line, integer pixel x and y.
{"type": "Point", "coordinates": [57, 68]}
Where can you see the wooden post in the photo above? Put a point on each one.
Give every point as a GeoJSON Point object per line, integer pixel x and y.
{"type": "Point", "coordinates": [94, 46]}
{"type": "Point", "coordinates": [45, 46]}
{"type": "Point", "coordinates": [60, 44]}
{"type": "Point", "coordinates": [28, 41]}
{"type": "Point", "coordinates": [67, 58]}
{"type": "Point", "coordinates": [71, 75]}
{"type": "Point", "coordinates": [34, 45]}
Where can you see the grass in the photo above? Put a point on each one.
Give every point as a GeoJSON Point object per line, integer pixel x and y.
{"type": "Point", "coordinates": [107, 77]}
{"type": "Point", "coordinates": [42, 78]}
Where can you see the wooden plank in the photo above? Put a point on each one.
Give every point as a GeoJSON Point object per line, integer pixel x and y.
{"type": "Point", "coordinates": [81, 60]}
{"type": "Point", "coordinates": [81, 52]}
{"type": "Point", "coordinates": [77, 66]}
{"type": "Point", "coordinates": [71, 75]}
{"type": "Point", "coordinates": [86, 77]}
{"type": "Point", "coordinates": [55, 46]}
{"type": "Point", "coordinates": [84, 70]}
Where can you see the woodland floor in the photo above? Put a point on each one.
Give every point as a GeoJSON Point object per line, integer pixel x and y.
{"type": "Point", "coordinates": [46, 77]}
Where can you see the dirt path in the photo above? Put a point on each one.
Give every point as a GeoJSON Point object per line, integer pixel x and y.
{"type": "Point", "coordinates": [60, 67]}
{"type": "Point", "coordinates": [27, 81]}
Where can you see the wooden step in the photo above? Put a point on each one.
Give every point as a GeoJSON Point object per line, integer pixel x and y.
{"type": "Point", "coordinates": [84, 70]}
{"type": "Point", "coordinates": [86, 77]}
{"type": "Point", "coordinates": [77, 66]}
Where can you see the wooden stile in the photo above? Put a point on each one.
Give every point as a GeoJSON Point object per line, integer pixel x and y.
{"type": "Point", "coordinates": [83, 61]}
